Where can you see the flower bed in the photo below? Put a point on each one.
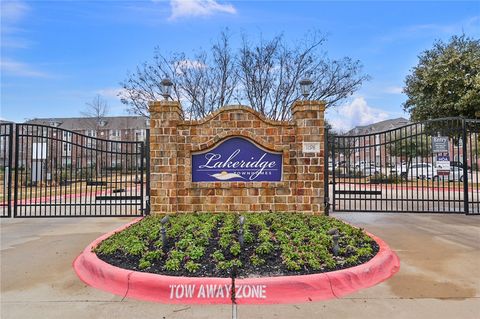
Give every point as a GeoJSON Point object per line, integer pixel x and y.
{"type": "Point", "coordinates": [209, 245]}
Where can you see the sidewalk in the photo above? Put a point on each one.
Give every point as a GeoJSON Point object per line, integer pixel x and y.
{"type": "Point", "coordinates": [439, 275]}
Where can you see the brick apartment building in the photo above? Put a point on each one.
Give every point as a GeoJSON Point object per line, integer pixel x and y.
{"type": "Point", "coordinates": [374, 147]}
{"type": "Point", "coordinates": [372, 144]}
{"type": "Point", "coordinates": [118, 128]}
{"type": "Point", "coordinates": [63, 148]}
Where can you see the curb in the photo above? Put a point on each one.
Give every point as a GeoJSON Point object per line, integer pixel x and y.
{"type": "Point", "coordinates": [264, 290]}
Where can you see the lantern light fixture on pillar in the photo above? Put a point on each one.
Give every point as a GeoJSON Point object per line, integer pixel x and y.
{"type": "Point", "coordinates": [166, 88]}
{"type": "Point", "coordinates": [306, 87]}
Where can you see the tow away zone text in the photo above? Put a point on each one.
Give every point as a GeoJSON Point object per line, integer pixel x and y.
{"type": "Point", "coordinates": [217, 291]}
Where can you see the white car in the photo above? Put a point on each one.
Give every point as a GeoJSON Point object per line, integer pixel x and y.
{"type": "Point", "coordinates": [419, 171]}
{"type": "Point", "coordinates": [456, 174]}
{"type": "Point", "coordinates": [371, 170]}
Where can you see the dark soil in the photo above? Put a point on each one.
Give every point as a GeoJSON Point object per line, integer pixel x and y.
{"type": "Point", "coordinates": [272, 267]}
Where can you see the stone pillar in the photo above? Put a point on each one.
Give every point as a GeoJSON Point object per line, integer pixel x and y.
{"type": "Point", "coordinates": [310, 126]}
{"type": "Point", "coordinates": [164, 118]}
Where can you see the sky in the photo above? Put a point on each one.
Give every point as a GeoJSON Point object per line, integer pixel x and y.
{"type": "Point", "coordinates": [58, 55]}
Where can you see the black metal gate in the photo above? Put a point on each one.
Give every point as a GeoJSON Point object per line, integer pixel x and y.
{"type": "Point", "coordinates": [60, 173]}
{"type": "Point", "coordinates": [6, 142]}
{"type": "Point", "coordinates": [400, 170]}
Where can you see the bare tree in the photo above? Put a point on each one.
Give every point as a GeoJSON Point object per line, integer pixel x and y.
{"type": "Point", "coordinates": [264, 75]}
{"type": "Point", "coordinates": [97, 110]}
{"type": "Point", "coordinates": [143, 85]}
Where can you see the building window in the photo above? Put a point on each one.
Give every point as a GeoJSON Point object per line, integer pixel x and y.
{"type": "Point", "coordinates": [67, 162]}
{"type": "Point", "coordinates": [67, 146]}
{"type": "Point", "coordinates": [114, 147]}
{"type": "Point", "coordinates": [114, 134]}
{"type": "Point", "coordinates": [3, 145]}
{"type": "Point", "coordinates": [91, 163]}
{"type": "Point", "coordinates": [140, 135]}
{"type": "Point", "coordinates": [90, 140]}
{"type": "Point", "coordinates": [91, 133]}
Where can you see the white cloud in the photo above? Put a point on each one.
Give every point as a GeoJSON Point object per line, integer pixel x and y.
{"type": "Point", "coordinates": [183, 65]}
{"type": "Point", "coordinates": [11, 14]}
{"type": "Point", "coordinates": [197, 8]}
{"type": "Point", "coordinates": [190, 64]}
{"type": "Point", "coordinates": [20, 69]}
{"type": "Point", "coordinates": [111, 93]}
{"type": "Point", "coordinates": [356, 113]}
{"type": "Point", "coordinates": [113, 97]}
{"type": "Point", "coordinates": [15, 43]}
{"type": "Point", "coordinates": [394, 90]}
{"type": "Point", "coordinates": [12, 11]}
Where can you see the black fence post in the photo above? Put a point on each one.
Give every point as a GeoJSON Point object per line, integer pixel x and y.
{"type": "Point", "coordinates": [333, 170]}
{"type": "Point", "coordinates": [6, 158]}
{"type": "Point", "coordinates": [325, 172]}
{"type": "Point", "coordinates": [465, 167]}
{"type": "Point", "coordinates": [10, 162]}
{"type": "Point", "coordinates": [147, 174]}
{"type": "Point", "coordinates": [15, 192]}
{"type": "Point", "coordinates": [142, 169]}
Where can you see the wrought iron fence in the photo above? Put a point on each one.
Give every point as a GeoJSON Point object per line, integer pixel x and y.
{"type": "Point", "coordinates": [6, 148]}
{"type": "Point", "coordinates": [60, 173]}
{"type": "Point", "coordinates": [399, 170]}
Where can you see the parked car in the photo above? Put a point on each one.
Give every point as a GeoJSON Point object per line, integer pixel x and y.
{"type": "Point", "coordinates": [362, 164]}
{"type": "Point", "coordinates": [370, 170]}
{"type": "Point", "coordinates": [399, 170]}
{"type": "Point", "coordinates": [455, 175]}
{"type": "Point", "coordinates": [459, 165]}
{"type": "Point", "coordinates": [340, 164]}
{"type": "Point", "coordinates": [422, 171]}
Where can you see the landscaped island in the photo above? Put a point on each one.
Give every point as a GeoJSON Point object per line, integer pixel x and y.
{"type": "Point", "coordinates": [258, 244]}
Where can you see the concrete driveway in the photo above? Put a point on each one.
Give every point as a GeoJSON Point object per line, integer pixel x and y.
{"type": "Point", "coordinates": [439, 275]}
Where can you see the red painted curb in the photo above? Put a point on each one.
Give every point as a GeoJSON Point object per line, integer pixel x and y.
{"type": "Point", "coordinates": [263, 290]}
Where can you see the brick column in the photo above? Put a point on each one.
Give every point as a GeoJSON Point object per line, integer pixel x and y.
{"type": "Point", "coordinates": [310, 125]}
{"type": "Point", "coordinates": [164, 118]}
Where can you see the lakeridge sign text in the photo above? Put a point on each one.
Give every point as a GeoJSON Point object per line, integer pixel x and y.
{"type": "Point", "coordinates": [237, 160]}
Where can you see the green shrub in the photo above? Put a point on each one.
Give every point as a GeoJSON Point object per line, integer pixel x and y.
{"type": "Point", "coordinates": [172, 264]}
{"type": "Point", "coordinates": [195, 252]}
{"type": "Point", "coordinates": [302, 242]}
{"type": "Point", "coordinates": [218, 256]}
{"type": "Point", "coordinates": [256, 260]}
{"type": "Point", "coordinates": [191, 266]}
{"type": "Point", "coordinates": [144, 264]}
{"type": "Point", "coordinates": [264, 248]}
{"type": "Point", "coordinates": [384, 179]}
{"type": "Point", "coordinates": [235, 249]}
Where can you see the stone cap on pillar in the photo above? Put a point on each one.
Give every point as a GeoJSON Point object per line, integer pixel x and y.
{"type": "Point", "coordinates": [165, 106]}
{"type": "Point", "coordinates": [308, 109]}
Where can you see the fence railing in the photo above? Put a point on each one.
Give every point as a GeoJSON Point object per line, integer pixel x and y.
{"type": "Point", "coordinates": [6, 151]}
{"type": "Point", "coordinates": [403, 170]}
{"type": "Point", "coordinates": [61, 173]}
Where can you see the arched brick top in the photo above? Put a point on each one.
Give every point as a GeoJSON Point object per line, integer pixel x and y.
{"type": "Point", "coordinates": [242, 133]}
{"type": "Point", "coordinates": [231, 109]}
{"type": "Point", "coordinates": [172, 141]}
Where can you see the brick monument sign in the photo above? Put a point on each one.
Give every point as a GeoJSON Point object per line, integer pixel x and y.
{"type": "Point", "coordinates": [236, 160]}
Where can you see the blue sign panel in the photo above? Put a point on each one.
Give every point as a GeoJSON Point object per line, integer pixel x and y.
{"type": "Point", "coordinates": [237, 160]}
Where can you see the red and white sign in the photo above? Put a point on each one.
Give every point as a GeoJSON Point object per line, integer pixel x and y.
{"type": "Point", "coordinates": [443, 165]}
